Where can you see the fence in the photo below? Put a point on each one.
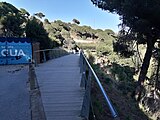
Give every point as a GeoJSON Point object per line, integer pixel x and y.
{"type": "Point", "coordinates": [48, 54]}
{"type": "Point", "coordinates": [87, 74]}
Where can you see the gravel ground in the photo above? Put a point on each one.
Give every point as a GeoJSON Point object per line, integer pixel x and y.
{"type": "Point", "coordinates": [14, 94]}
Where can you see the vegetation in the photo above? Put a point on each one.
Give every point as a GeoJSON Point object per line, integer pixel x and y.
{"type": "Point", "coordinates": [12, 20]}
{"type": "Point", "coordinates": [140, 22]}
{"type": "Point", "coordinates": [119, 92]}
{"type": "Point", "coordinates": [36, 32]}
{"type": "Point", "coordinates": [76, 21]}
{"type": "Point", "coordinates": [19, 23]}
{"type": "Point", "coordinates": [40, 15]}
{"type": "Point", "coordinates": [66, 33]}
{"type": "Point", "coordinates": [117, 58]}
{"type": "Point", "coordinates": [139, 26]}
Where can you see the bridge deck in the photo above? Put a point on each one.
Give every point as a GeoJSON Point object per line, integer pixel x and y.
{"type": "Point", "coordinates": [59, 82]}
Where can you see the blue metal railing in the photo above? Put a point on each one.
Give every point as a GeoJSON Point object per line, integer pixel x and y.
{"type": "Point", "coordinates": [86, 82]}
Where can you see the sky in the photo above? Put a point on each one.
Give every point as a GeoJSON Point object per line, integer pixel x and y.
{"type": "Point", "coordinates": [67, 10]}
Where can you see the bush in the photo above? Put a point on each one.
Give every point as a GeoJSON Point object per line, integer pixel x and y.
{"type": "Point", "coordinates": [103, 49]}
{"type": "Point", "coordinates": [125, 77]}
{"type": "Point", "coordinates": [91, 58]}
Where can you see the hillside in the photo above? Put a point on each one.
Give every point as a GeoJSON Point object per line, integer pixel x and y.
{"type": "Point", "coordinates": [68, 33]}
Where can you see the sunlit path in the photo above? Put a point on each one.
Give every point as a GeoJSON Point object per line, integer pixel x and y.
{"type": "Point", "coordinates": [59, 82]}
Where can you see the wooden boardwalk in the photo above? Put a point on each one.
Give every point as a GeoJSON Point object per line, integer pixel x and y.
{"type": "Point", "coordinates": [59, 82]}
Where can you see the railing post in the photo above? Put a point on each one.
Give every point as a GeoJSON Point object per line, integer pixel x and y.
{"type": "Point", "coordinates": [35, 58]}
{"type": "Point", "coordinates": [44, 56]}
{"type": "Point", "coordinates": [58, 53]}
{"type": "Point", "coordinates": [81, 62]}
{"type": "Point", "coordinates": [83, 71]}
{"type": "Point", "coordinates": [53, 54]}
{"type": "Point", "coordinates": [50, 55]}
{"type": "Point", "coordinates": [87, 97]}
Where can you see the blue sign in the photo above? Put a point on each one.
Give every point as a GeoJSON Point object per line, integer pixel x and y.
{"type": "Point", "coordinates": [15, 51]}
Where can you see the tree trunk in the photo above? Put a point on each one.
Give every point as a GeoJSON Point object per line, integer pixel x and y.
{"type": "Point", "coordinates": [157, 73]}
{"type": "Point", "coordinates": [144, 69]}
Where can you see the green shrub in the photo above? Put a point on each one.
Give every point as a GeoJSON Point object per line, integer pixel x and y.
{"type": "Point", "coordinates": [91, 58]}
{"type": "Point", "coordinates": [125, 77]}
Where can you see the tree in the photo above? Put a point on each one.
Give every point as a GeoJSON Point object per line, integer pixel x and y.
{"type": "Point", "coordinates": [140, 17]}
{"type": "Point", "coordinates": [36, 32]}
{"type": "Point", "coordinates": [24, 12]}
{"type": "Point", "coordinates": [11, 20]}
{"type": "Point", "coordinates": [46, 21]}
{"type": "Point", "coordinates": [39, 15]}
{"type": "Point", "coordinates": [109, 31]}
{"type": "Point", "coordinates": [76, 21]}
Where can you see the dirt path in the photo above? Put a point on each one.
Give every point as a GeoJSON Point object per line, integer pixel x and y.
{"type": "Point", "coordinates": [83, 41]}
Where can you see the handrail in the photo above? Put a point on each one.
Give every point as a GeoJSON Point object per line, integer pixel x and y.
{"type": "Point", "coordinates": [112, 109]}
{"type": "Point", "coordinates": [47, 50]}
{"type": "Point", "coordinates": [53, 53]}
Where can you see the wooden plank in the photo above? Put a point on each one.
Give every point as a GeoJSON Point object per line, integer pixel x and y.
{"type": "Point", "coordinates": [64, 118]}
{"type": "Point", "coordinates": [59, 82]}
